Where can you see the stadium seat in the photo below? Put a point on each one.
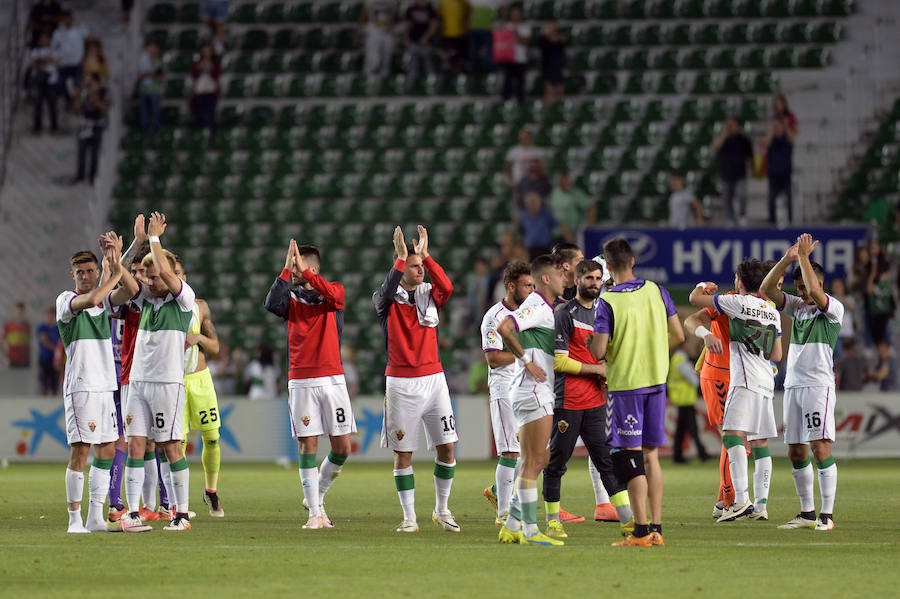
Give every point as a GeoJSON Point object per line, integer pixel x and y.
{"type": "Point", "coordinates": [189, 13]}
{"type": "Point", "coordinates": [162, 13]}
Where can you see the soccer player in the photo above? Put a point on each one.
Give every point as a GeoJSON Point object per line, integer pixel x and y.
{"type": "Point", "coordinates": [82, 317]}
{"type": "Point", "coordinates": [201, 407]}
{"type": "Point", "coordinates": [580, 399]}
{"type": "Point", "coordinates": [754, 331]}
{"type": "Point", "coordinates": [155, 407]}
{"type": "Point", "coordinates": [571, 256]}
{"type": "Point", "coordinates": [519, 285]}
{"type": "Point", "coordinates": [635, 327]}
{"type": "Point", "coordinates": [317, 390]}
{"type": "Point", "coordinates": [416, 388]}
{"type": "Point", "coordinates": [809, 393]}
{"type": "Point", "coordinates": [528, 333]}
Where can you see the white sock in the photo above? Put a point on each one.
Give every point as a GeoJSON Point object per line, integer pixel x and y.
{"type": "Point", "coordinates": [762, 476]}
{"type": "Point", "coordinates": [407, 496]}
{"type": "Point", "coordinates": [75, 519]}
{"type": "Point", "coordinates": [442, 486]}
{"type": "Point", "coordinates": [74, 486]}
{"type": "Point", "coordinates": [803, 482]}
{"type": "Point", "coordinates": [180, 485]}
{"type": "Point", "coordinates": [98, 483]}
{"type": "Point", "coordinates": [828, 487]}
{"type": "Point", "coordinates": [528, 495]}
{"type": "Point", "coordinates": [165, 469]}
{"type": "Point", "coordinates": [134, 483]}
{"type": "Point", "coordinates": [309, 481]}
{"type": "Point", "coordinates": [327, 473]}
{"type": "Point", "coordinates": [506, 479]}
{"type": "Point", "coordinates": [737, 462]}
{"type": "Point", "coordinates": [151, 479]}
{"type": "Point", "coordinates": [514, 520]}
{"type": "Point", "coordinates": [600, 494]}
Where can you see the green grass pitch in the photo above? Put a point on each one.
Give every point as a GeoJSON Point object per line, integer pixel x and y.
{"type": "Point", "coordinates": [260, 550]}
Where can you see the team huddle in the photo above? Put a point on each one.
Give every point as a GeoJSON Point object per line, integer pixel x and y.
{"type": "Point", "coordinates": [577, 350]}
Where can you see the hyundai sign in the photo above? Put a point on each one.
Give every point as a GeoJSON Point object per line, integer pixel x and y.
{"type": "Point", "coordinates": [687, 257]}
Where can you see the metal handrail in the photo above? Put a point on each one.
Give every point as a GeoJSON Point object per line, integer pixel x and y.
{"type": "Point", "coordinates": [10, 77]}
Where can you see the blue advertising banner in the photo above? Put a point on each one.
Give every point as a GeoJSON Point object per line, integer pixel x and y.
{"type": "Point", "coordinates": [687, 257]}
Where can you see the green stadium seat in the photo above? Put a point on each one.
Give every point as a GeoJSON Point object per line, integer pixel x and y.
{"type": "Point", "coordinates": [623, 35]}
{"type": "Point", "coordinates": [638, 60]}
{"type": "Point", "coordinates": [828, 33]}
{"type": "Point", "coordinates": [161, 37]}
{"type": "Point", "coordinates": [764, 83]}
{"type": "Point", "coordinates": [710, 34]}
{"type": "Point", "coordinates": [691, 9]}
{"type": "Point", "coordinates": [329, 12]}
{"type": "Point", "coordinates": [738, 33]}
{"type": "Point", "coordinates": [705, 83]}
{"type": "Point", "coordinates": [725, 59]}
{"type": "Point", "coordinates": [663, 10]}
{"type": "Point", "coordinates": [634, 9]}
{"type": "Point", "coordinates": [255, 39]}
{"type": "Point", "coordinates": [274, 63]}
{"type": "Point", "coordinates": [839, 8]}
{"type": "Point", "coordinates": [193, 140]}
{"type": "Point", "coordinates": [753, 109]}
{"type": "Point", "coordinates": [778, 8]}
{"type": "Point", "coordinates": [189, 13]}
{"type": "Point", "coordinates": [606, 60]}
{"type": "Point", "coordinates": [690, 111]}
{"type": "Point", "coordinates": [245, 13]}
{"type": "Point", "coordinates": [797, 33]}
{"type": "Point", "coordinates": [244, 63]}
{"type": "Point", "coordinates": [766, 33]}
{"type": "Point", "coordinates": [651, 35]}
{"type": "Point", "coordinates": [287, 39]}
{"type": "Point", "coordinates": [667, 59]}
{"type": "Point", "coordinates": [179, 62]}
{"type": "Point", "coordinates": [656, 111]}
{"type": "Point", "coordinates": [722, 108]}
{"type": "Point", "coordinates": [736, 82]}
{"type": "Point", "coordinates": [274, 13]}
{"type": "Point", "coordinates": [607, 9]}
{"type": "Point", "coordinates": [542, 10]}
{"type": "Point", "coordinates": [681, 35]}
{"type": "Point", "coordinates": [756, 58]}
{"type": "Point", "coordinates": [784, 58]}
{"type": "Point", "coordinates": [302, 12]}
{"type": "Point", "coordinates": [697, 59]}
{"type": "Point", "coordinates": [722, 9]}
{"type": "Point", "coordinates": [162, 13]}
{"type": "Point", "coordinates": [577, 10]}
{"type": "Point", "coordinates": [189, 40]}
{"type": "Point", "coordinates": [814, 58]}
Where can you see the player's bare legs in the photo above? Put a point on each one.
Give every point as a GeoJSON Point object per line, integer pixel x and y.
{"type": "Point", "coordinates": [533, 437]}
{"type": "Point", "coordinates": [654, 483]}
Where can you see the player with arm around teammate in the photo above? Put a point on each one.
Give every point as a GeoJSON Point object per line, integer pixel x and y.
{"type": "Point", "coordinates": [580, 408]}
{"type": "Point", "coordinates": [809, 390]}
{"type": "Point", "coordinates": [82, 317]}
{"type": "Point", "coordinates": [318, 401]}
{"type": "Point", "coordinates": [518, 284]}
{"type": "Point", "coordinates": [754, 339]}
{"type": "Point", "coordinates": [416, 388]}
{"type": "Point", "coordinates": [528, 333]}
{"type": "Point", "coordinates": [636, 325]}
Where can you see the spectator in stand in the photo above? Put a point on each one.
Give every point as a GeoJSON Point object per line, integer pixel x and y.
{"type": "Point", "coordinates": [682, 386]}
{"type": "Point", "coordinates": [351, 372]}
{"type": "Point", "coordinates": [261, 376]}
{"type": "Point", "coordinates": [572, 206]}
{"type": "Point", "coordinates": [878, 294]}
{"type": "Point", "coordinates": [151, 77]}
{"type": "Point", "coordinates": [885, 372]}
{"type": "Point", "coordinates": [781, 111]}
{"type": "Point", "coordinates": [454, 19]}
{"type": "Point", "coordinates": [685, 210]}
{"type": "Point", "coordinates": [850, 370]}
{"type": "Point", "coordinates": [537, 226]}
{"type": "Point", "coordinates": [481, 42]}
{"type": "Point", "coordinates": [43, 19]}
{"type": "Point", "coordinates": [779, 144]}
{"type": "Point", "coordinates": [16, 339]}
{"type": "Point", "coordinates": [421, 24]}
{"type": "Point", "coordinates": [535, 181]}
{"type": "Point", "coordinates": [377, 19]}
{"type": "Point", "coordinates": [215, 12]}
{"type": "Point", "coordinates": [205, 73]}
{"type": "Point", "coordinates": [48, 338]}
{"type": "Point", "coordinates": [848, 324]}
{"type": "Point", "coordinates": [94, 62]}
{"type": "Point", "coordinates": [478, 288]}
{"type": "Point", "coordinates": [519, 157]}
{"type": "Point", "coordinates": [735, 158]}
{"type": "Point", "coordinates": [553, 61]}
{"type": "Point", "coordinates": [93, 104]}
{"type": "Point", "coordinates": [514, 72]}
{"type": "Point", "coordinates": [222, 370]}
{"type": "Point", "coordinates": [127, 5]}
{"type": "Point", "coordinates": [43, 64]}
{"type": "Point", "coordinates": [68, 43]}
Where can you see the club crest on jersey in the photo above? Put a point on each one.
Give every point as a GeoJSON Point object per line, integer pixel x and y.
{"type": "Point", "coordinates": [128, 419]}
{"type": "Point", "coordinates": [562, 425]}
{"type": "Point", "coordinates": [630, 420]}
{"type": "Point", "coordinates": [92, 425]}
{"type": "Point", "coordinates": [400, 433]}
{"type": "Point", "coordinates": [305, 420]}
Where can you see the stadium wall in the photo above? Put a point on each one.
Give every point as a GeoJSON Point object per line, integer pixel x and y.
{"type": "Point", "coordinates": [33, 429]}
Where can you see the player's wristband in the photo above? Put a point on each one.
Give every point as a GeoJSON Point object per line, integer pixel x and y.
{"type": "Point", "coordinates": [525, 359]}
{"type": "Point", "coordinates": [154, 239]}
{"type": "Point", "coordinates": [701, 331]}
{"type": "Point", "coordinates": [701, 284]}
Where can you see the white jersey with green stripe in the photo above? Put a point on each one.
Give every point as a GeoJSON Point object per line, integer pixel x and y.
{"type": "Point", "coordinates": [754, 327]}
{"type": "Point", "coordinates": [89, 354]}
{"type": "Point", "coordinates": [159, 347]}
{"type": "Point", "coordinates": [192, 353]}
{"type": "Point", "coordinates": [534, 321]}
{"type": "Point", "coordinates": [814, 333]}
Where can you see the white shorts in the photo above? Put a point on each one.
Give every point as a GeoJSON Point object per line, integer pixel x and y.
{"type": "Point", "coordinates": [503, 424]}
{"type": "Point", "coordinates": [155, 411]}
{"type": "Point", "coordinates": [91, 417]}
{"type": "Point", "coordinates": [808, 414]}
{"type": "Point", "coordinates": [411, 400]}
{"type": "Point", "coordinates": [750, 412]}
{"type": "Point", "coordinates": [530, 404]}
{"type": "Point", "coordinates": [320, 406]}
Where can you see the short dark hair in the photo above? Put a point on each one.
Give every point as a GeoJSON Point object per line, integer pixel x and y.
{"type": "Point", "coordinates": [310, 250]}
{"type": "Point", "coordinates": [142, 251]}
{"type": "Point", "coordinates": [617, 253]}
{"type": "Point", "coordinates": [586, 266]}
{"type": "Point", "coordinates": [817, 268]}
{"type": "Point", "coordinates": [769, 265]}
{"type": "Point", "coordinates": [83, 257]}
{"type": "Point", "coordinates": [566, 250]}
{"type": "Point", "coordinates": [410, 249]}
{"type": "Point", "coordinates": [751, 273]}
{"type": "Point", "coordinates": [514, 270]}
{"type": "Point", "coordinates": [543, 263]}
